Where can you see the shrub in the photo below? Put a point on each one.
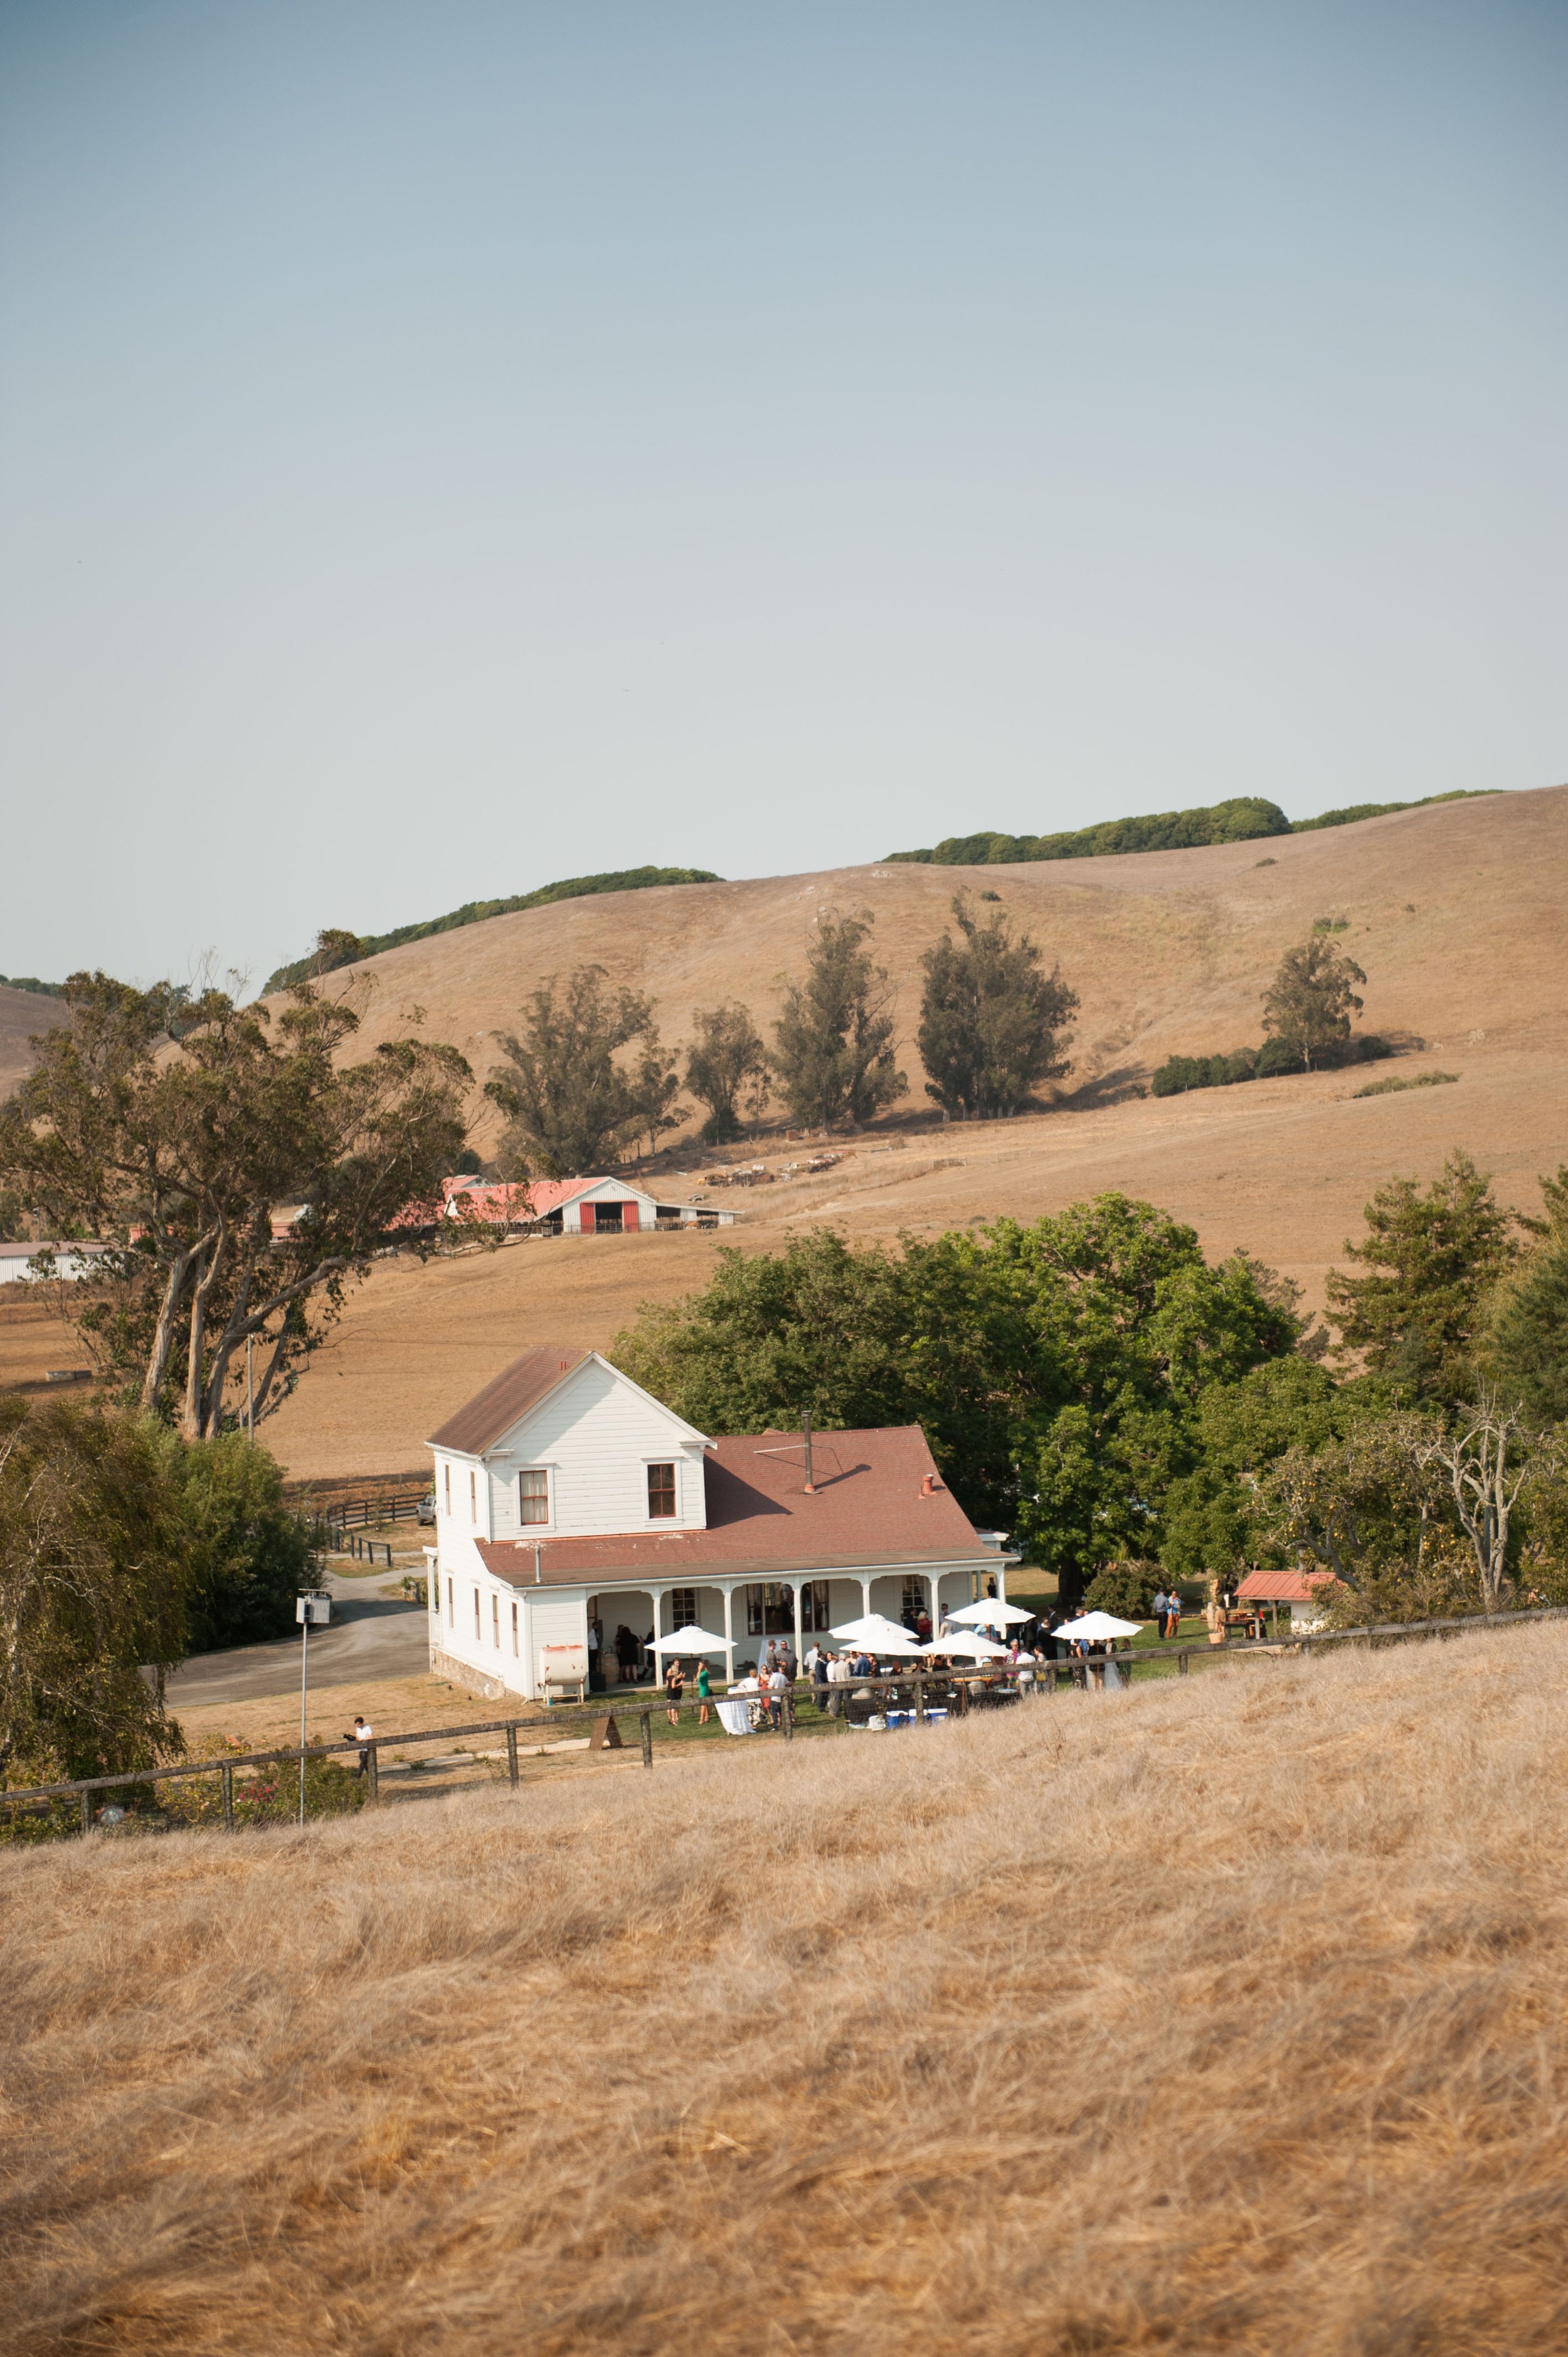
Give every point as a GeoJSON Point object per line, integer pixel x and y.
{"type": "Point", "coordinates": [249, 1555]}
{"type": "Point", "coordinates": [1415, 1080]}
{"type": "Point", "coordinates": [1125, 1588]}
{"type": "Point", "coordinates": [1179, 1073]}
{"type": "Point", "coordinates": [1182, 1073]}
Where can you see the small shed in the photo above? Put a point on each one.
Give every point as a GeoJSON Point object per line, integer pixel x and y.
{"type": "Point", "coordinates": [1303, 1591]}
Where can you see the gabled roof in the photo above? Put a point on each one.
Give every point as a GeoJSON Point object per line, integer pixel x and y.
{"type": "Point", "coordinates": [871, 1507]}
{"type": "Point", "coordinates": [1286, 1587]}
{"type": "Point", "coordinates": [503, 1403]}
{"type": "Point", "coordinates": [488, 1201]}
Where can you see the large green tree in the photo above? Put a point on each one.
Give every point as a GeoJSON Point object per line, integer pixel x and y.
{"type": "Point", "coordinates": [1432, 1259]}
{"type": "Point", "coordinates": [834, 1039]}
{"type": "Point", "coordinates": [93, 1573]}
{"type": "Point", "coordinates": [726, 1068]}
{"type": "Point", "coordinates": [1308, 1006]}
{"type": "Point", "coordinates": [1526, 1346]}
{"type": "Point", "coordinates": [1238, 1430]}
{"type": "Point", "coordinates": [1055, 1368]}
{"type": "Point", "coordinates": [177, 1127]}
{"type": "Point", "coordinates": [248, 1553]}
{"type": "Point", "coordinates": [991, 1019]}
{"type": "Point", "coordinates": [572, 1097]}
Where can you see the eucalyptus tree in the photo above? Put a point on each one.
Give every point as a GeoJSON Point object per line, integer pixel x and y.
{"type": "Point", "coordinates": [240, 1165]}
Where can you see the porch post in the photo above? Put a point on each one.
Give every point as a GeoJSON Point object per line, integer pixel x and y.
{"type": "Point", "coordinates": [934, 1581]}
{"type": "Point", "coordinates": [797, 1593]}
{"type": "Point", "coordinates": [729, 1632]}
{"type": "Point", "coordinates": [865, 1595]}
{"type": "Point", "coordinates": [657, 1595]}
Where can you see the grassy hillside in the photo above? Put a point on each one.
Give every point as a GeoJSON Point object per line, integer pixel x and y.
{"type": "Point", "coordinates": [1455, 912]}
{"type": "Point", "coordinates": [351, 947]}
{"type": "Point", "coordinates": [1224, 2014]}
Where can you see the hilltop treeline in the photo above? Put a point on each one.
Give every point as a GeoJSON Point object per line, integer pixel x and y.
{"type": "Point", "coordinates": [338, 947]}
{"type": "Point", "coordinates": [1246, 819]}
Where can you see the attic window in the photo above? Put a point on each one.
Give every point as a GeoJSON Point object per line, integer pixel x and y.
{"type": "Point", "coordinates": [662, 1493]}
{"type": "Point", "coordinates": [533, 1497]}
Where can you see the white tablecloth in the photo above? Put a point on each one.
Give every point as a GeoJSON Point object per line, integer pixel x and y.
{"type": "Point", "coordinates": [734, 1717]}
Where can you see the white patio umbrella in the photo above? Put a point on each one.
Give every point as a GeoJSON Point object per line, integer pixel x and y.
{"type": "Point", "coordinates": [967, 1643]}
{"type": "Point", "coordinates": [877, 1635]}
{"type": "Point", "coordinates": [990, 1612]}
{"type": "Point", "coordinates": [1092, 1625]}
{"type": "Point", "coordinates": [689, 1639]}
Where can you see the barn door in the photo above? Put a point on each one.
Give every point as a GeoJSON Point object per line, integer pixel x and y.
{"type": "Point", "coordinates": [628, 1212]}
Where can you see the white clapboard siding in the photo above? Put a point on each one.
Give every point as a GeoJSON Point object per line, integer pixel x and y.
{"type": "Point", "coordinates": [594, 1435]}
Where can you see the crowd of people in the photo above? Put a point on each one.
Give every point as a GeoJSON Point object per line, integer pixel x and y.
{"type": "Point", "coordinates": [1030, 1650]}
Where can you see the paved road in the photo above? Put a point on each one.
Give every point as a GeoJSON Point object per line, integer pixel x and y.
{"type": "Point", "coordinates": [370, 1636]}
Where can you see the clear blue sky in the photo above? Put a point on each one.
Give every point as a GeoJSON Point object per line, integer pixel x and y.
{"type": "Point", "coordinates": [446, 447]}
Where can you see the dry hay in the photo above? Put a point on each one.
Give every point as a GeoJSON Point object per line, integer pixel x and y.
{"type": "Point", "coordinates": [1224, 2014]}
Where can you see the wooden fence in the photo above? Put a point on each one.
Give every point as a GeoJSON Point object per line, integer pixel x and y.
{"type": "Point", "coordinates": [966, 1689]}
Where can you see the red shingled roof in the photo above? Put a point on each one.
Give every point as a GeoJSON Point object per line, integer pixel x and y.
{"type": "Point", "coordinates": [1285, 1587]}
{"type": "Point", "coordinates": [868, 1508]}
{"type": "Point", "coordinates": [494, 1411]}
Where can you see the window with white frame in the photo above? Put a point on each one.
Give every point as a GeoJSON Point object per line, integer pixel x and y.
{"type": "Point", "coordinates": [514, 1625]}
{"type": "Point", "coordinates": [476, 1616]}
{"type": "Point", "coordinates": [662, 1493]}
{"type": "Point", "coordinates": [446, 1475]}
{"type": "Point", "coordinates": [684, 1606]}
{"type": "Point", "coordinates": [495, 1620]}
{"type": "Point", "coordinates": [473, 1495]}
{"type": "Point", "coordinates": [533, 1496]}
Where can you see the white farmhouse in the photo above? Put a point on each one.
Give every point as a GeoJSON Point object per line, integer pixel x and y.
{"type": "Point", "coordinates": [570, 1501]}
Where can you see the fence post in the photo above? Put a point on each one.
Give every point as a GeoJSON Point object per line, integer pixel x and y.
{"type": "Point", "coordinates": [921, 1697]}
{"type": "Point", "coordinates": [511, 1755]}
{"type": "Point", "coordinates": [375, 1779]}
{"type": "Point", "coordinates": [228, 1774]}
{"type": "Point", "coordinates": [788, 1714]}
{"type": "Point", "coordinates": [1181, 1662]}
{"type": "Point", "coordinates": [646, 1718]}
{"type": "Point", "coordinates": [87, 1812]}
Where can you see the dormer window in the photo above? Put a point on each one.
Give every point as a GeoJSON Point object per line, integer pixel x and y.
{"type": "Point", "coordinates": [533, 1496]}
{"type": "Point", "coordinates": [662, 1493]}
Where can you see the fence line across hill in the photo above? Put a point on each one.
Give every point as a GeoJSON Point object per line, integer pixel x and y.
{"type": "Point", "coordinates": [971, 1686]}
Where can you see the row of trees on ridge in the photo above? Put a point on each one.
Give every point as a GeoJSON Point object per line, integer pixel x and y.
{"type": "Point", "coordinates": [587, 1077]}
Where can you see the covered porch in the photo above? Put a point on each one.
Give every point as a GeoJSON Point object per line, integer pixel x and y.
{"type": "Point", "coordinates": [628, 1619]}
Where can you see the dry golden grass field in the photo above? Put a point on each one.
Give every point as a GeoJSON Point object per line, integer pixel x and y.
{"type": "Point", "coordinates": [1458, 913]}
{"type": "Point", "coordinates": [1223, 2015]}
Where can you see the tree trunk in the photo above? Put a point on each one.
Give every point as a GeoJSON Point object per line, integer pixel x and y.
{"type": "Point", "coordinates": [163, 1334]}
{"type": "Point", "coordinates": [193, 1423]}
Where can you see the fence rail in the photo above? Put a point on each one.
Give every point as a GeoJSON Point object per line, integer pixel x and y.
{"type": "Point", "coordinates": [367, 1513]}
{"type": "Point", "coordinates": [969, 1686]}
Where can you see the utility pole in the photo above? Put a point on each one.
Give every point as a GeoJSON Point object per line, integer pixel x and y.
{"type": "Point", "coordinates": [308, 1607]}
{"type": "Point", "coordinates": [303, 1670]}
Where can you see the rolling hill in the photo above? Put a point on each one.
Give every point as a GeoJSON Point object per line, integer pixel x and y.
{"type": "Point", "coordinates": [1455, 910]}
